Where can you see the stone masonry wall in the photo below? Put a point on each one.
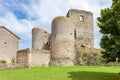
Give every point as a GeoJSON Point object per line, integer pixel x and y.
{"type": "Point", "coordinates": [62, 39]}
{"type": "Point", "coordinates": [89, 50]}
{"type": "Point", "coordinates": [8, 45]}
{"type": "Point", "coordinates": [40, 38]}
{"type": "Point", "coordinates": [83, 21]}
{"type": "Point", "coordinates": [23, 57]}
{"type": "Point", "coordinates": [33, 57]}
{"type": "Point", "coordinates": [40, 57]}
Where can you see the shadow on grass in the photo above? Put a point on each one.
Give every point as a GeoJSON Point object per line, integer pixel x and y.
{"type": "Point", "coordinates": [93, 76]}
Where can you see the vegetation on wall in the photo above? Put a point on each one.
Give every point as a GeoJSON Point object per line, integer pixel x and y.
{"type": "Point", "coordinates": [88, 58]}
{"type": "Point", "coordinates": [109, 24]}
{"type": "Point", "coordinates": [3, 61]}
{"type": "Point", "coordinates": [13, 60]}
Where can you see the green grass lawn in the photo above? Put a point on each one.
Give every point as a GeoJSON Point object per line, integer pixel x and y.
{"type": "Point", "coordinates": [62, 73]}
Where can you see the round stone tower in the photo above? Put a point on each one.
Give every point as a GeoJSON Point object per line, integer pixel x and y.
{"type": "Point", "coordinates": [40, 38]}
{"type": "Point", "coordinates": [62, 42]}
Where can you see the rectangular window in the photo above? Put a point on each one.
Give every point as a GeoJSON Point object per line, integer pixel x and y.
{"type": "Point", "coordinates": [81, 18]}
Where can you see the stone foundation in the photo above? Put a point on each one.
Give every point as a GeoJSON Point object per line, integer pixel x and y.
{"type": "Point", "coordinates": [10, 66]}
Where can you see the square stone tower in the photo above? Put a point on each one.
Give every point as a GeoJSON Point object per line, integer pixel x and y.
{"type": "Point", "coordinates": [84, 33]}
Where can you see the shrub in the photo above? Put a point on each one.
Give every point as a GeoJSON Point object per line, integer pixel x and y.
{"type": "Point", "coordinates": [3, 61]}
{"type": "Point", "coordinates": [12, 60]}
{"type": "Point", "coordinates": [84, 58]}
{"type": "Point", "coordinates": [45, 31]}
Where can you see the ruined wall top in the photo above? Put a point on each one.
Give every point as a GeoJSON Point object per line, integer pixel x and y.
{"type": "Point", "coordinates": [40, 38]}
{"type": "Point", "coordinates": [78, 11]}
{"type": "Point", "coordinates": [40, 30]}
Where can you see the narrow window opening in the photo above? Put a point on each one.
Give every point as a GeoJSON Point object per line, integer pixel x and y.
{"type": "Point", "coordinates": [5, 42]}
{"type": "Point", "coordinates": [81, 18]}
{"type": "Point", "coordinates": [75, 34]}
{"type": "Point", "coordinates": [83, 46]}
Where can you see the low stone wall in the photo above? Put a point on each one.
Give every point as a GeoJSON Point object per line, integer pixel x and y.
{"type": "Point", "coordinates": [3, 66]}
{"type": "Point", "coordinates": [22, 56]}
{"type": "Point", "coordinates": [10, 66]}
{"type": "Point", "coordinates": [40, 57]}
{"type": "Point", "coordinates": [88, 56]}
{"type": "Point", "coordinates": [33, 57]}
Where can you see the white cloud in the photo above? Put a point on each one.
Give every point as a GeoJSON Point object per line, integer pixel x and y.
{"type": "Point", "coordinates": [41, 12]}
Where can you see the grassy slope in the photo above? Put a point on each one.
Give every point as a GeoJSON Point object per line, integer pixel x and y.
{"type": "Point", "coordinates": [62, 73]}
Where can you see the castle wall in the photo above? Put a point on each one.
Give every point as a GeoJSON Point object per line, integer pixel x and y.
{"type": "Point", "coordinates": [40, 57]}
{"type": "Point", "coordinates": [8, 45]}
{"type": "Point", "coordinates": [40, 38]}
{"type": "Point", "coordinates": [33, 57]}
{"type": "Point", "coordinates": [62, 42]}
{"type": "Point", "coordinates": [88, 56]}
{"type": "Point", "coordinates": [83, 21]}
{"type": "Point", "coordinates": [89, 50]}
{"type": "Point", "coordinates": [23, 56]}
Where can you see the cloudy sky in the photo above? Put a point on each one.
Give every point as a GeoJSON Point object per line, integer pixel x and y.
{"type": "Point", "coordinates": [20, 16]}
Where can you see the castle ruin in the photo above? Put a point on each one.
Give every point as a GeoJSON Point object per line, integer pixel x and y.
{"type": "Point", "coordinates": [59, 48]}
{"type": "Point", "coordinates": [84, 33]}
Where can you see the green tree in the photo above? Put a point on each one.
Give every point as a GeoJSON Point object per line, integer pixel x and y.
{"type": "Point", "coordinates": [109, 24]}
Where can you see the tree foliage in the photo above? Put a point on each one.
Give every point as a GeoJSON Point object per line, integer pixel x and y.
{"type": "Point", "coordinates": [109, 24]}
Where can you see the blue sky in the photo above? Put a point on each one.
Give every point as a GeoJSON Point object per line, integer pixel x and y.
{"type": "Point", "coordinates": [20, 16]}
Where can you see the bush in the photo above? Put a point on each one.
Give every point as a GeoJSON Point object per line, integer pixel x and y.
{"type": "Point", "coordinates": [3, 61]}
{"type": "Point", "coordinates": [13, 60]}
{"type": "Point", "coordinates": [45, 31]}
{"type": "Point", "coordinates": [88, 59]}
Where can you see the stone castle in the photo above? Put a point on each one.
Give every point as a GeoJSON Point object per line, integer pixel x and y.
{"type": "Point", "coordinates": [60, 47]}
